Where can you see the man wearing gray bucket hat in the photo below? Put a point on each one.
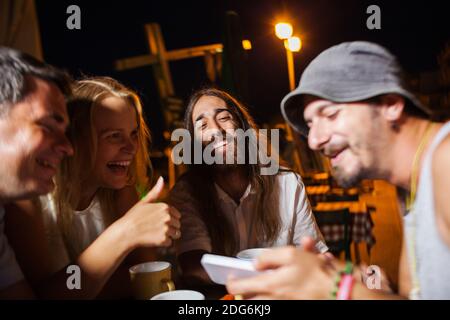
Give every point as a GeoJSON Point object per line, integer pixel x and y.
{"type": "Point", "coordinates": [349, 72]}
{"type": "Point", "coordinates": [355, 107]}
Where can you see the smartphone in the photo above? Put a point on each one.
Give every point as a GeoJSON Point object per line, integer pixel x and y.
{"type": "Point", "coordinates": [220, 268]}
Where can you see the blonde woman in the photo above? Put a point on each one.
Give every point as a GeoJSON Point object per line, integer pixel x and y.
{"type": "Point", "coordinates": [94, 218]}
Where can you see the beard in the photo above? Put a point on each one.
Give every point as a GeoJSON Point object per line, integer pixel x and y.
{"type": "Point", "coordinates": [368, 146]}
{"type": "Point", "coordinates": [369, 170]}
{"type": "Point", "coordinates": [222, 167]}
{"type": "Point", "coordinates": [346, 180]}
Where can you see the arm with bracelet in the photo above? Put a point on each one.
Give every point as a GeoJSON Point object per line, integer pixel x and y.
{"type": "Point", "coordinates": [298, 274]}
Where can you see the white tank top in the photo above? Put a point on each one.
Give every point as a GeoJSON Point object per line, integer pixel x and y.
{"type": "Point", "coordinates": [431, 252]}
{"type": "Point", "coordinates": [87, 225]}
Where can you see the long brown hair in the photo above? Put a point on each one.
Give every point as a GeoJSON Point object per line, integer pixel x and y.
{"type": "Point", "coordinates": [73, 171]}
{"type": "Point", "coordinates": [267, 222]}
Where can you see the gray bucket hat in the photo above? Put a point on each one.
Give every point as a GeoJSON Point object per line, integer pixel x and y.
{"type": "Point", "coordinates": [348, 72]}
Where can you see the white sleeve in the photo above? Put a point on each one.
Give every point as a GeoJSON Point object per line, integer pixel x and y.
{"type": "Point", "coordinates": [10, 271]}
{"type": "Point", "coordinates": [194, 232]}
{"type": "Point", "coordinates": [305, 223]}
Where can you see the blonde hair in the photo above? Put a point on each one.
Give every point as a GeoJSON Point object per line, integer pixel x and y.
{"type": "Point", "coordinates": [87, 94]}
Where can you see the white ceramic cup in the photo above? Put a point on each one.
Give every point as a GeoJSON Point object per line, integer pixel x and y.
{"type": "Point", "coordinates": [179, 295]}
{"type": "Point", "coordinates": [250, 254]}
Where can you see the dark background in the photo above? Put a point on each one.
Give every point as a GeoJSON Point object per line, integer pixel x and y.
{"type": "Point", "coordinates": [110, 30]}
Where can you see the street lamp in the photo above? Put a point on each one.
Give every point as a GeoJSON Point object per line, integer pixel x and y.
{"type": "Point", "coordinates": [293, 44]}
{"type": "Point", "coordinates": [284, 31]}
{"type": "Point", "coordinates": [246, 44]}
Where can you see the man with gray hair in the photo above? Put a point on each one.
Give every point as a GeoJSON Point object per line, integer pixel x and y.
{"type": "Point", "coordinates": [33, 121]}
{"type": "Point", "coordinates": [355, 107]}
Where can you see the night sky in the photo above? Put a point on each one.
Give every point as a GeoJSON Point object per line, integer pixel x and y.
{"type": "Point", "coordinates": [110, 30]}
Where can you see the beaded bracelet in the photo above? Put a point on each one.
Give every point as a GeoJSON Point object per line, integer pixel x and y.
{"type": "Point", "coordinates": [342, 284]}
{"type": "Point", "coordinates": [345, 287]}
{"type": "Point", "coordinates": [335, 290]}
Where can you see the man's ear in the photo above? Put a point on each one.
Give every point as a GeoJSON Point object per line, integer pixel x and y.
{"type": "Point", "coordinates": [392, 106]}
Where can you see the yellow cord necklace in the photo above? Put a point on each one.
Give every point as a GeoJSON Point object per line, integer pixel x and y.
{"type": "Point", "coordinates": [415, 291]}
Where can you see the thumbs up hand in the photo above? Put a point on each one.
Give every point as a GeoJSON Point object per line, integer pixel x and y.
{"type": "Point", "coordinates": [152, 224]}
{"type": "Point", "coordinates": [153, 194]}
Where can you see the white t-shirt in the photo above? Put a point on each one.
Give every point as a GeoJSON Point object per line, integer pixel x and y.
{"type": "Point", "coordinates": [297, 220]}
{"type": "Point", "coordinates": [87, 225]}
{"type": "Point", "coordinates": [10, 272]}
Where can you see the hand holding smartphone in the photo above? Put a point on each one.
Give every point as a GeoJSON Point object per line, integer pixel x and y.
{"type": "Point", "coordinates": [220, 268]}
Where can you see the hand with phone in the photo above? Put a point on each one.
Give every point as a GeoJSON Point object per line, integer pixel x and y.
{"type": "Point", "coordinates": [221, 268]}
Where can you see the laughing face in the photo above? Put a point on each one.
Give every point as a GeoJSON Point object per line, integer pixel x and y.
{"type": "Point", "coordinates": [350, 134]}
{"type": "Point", "coordinates": [33, 141]}
{"type": "Point", "coordinates": [115, 123]}
{"type": "Point", "coordinates": [212, 120]}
